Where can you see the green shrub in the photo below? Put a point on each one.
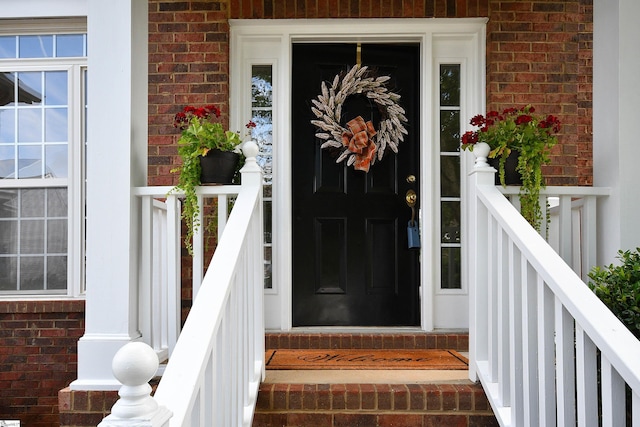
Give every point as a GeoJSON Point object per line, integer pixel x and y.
{"type": "Point", "coordinates": [618, 287]}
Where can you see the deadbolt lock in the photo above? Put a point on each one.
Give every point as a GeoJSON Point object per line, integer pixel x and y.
{"type": "Point", "coordinates": [411, 197]}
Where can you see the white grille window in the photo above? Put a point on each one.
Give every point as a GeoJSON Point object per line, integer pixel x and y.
{"type": "Point", "coordinates": [42, 109]}
{"type": "Point", "coordinates": [262, 133]}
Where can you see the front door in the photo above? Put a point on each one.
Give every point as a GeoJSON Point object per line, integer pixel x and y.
{"type": "Point", "coordinates": [352, 265]}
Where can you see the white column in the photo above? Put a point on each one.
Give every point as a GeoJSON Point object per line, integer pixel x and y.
{"type": "Point", "coordinates": [116, 161]}
{"type": "Point", "coordinates": [616, 90]}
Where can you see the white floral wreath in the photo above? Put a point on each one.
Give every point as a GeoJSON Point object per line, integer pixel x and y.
{"type": "Point", "coordinates": [361, 143]}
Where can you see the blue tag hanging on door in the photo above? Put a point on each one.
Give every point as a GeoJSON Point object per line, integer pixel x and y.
{"type": "Point", "coordinates": [413, 235]}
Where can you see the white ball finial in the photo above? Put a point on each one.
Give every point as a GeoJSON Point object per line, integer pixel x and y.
{"type": "Point", "coordinates": [134, 364]}
{"type": "Point", "coordinates": [481, 150]}
{"type": "Point", "coordinates": [250, 149]}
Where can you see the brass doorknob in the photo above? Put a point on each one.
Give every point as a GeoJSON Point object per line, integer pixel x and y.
{"type": "Point", "coordinates": [411, 197]}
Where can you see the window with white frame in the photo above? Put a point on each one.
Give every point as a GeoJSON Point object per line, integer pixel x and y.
{"type": "Point", "coordinates": [42, 111]}
{"type": "Point", "coordinates": [262, 133]}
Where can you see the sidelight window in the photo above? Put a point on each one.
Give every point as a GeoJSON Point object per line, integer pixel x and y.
{"type": "Point", "coordinates": [262, 133]}
{"type": "Point", "coordinates": [450, 244]}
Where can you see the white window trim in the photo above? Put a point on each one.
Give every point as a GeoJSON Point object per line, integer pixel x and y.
{"type": "Point", "coordinates": [276, 37]}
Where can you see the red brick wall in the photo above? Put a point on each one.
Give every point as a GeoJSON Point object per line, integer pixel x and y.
{"type": "Point", "coordinates": [38, 357]}
{"type": "Point", "coordinates": [538, 52]}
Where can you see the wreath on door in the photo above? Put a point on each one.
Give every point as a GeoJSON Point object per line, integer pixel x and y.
{"type": "Point", "coordinates": [359, 143]}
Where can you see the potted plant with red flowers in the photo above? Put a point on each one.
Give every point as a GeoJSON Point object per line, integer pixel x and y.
{"type": "Point", "coordinates": [531, 137]}
{"type": "Point", "coordinates": [210, 154]}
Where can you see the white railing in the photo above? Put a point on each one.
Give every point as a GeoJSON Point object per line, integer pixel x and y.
{"type": "Point", "coordinates": [160, 258]}
{"type": "Point", "coordinates": [547, 351]}
{"type": "Point", "coordinates": [570, 213]}
{"type": "Point", "coordinates": [216, 367]}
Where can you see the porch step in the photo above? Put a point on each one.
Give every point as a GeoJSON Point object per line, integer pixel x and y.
{"type": "Point", "coordinates": [458, 341]}
{"type": "Point", "coordinates": [370, 398]}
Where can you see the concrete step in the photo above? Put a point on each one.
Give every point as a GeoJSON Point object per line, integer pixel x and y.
{"type": "Point", "coordinates": [371, 398]}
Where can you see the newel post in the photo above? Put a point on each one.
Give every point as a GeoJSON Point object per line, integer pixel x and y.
{"type": "Point", "coordinates": [134, 365]}
{"type": "Point", "coordinates": [251, 171]}
{"type": "Point", "coordinates": [477, 258]}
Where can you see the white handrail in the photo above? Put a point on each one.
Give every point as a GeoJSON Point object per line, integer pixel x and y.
{"type": "Point", "coordinates": [536, 330]}
{"type": "Point", "coordinates": [216, 367]}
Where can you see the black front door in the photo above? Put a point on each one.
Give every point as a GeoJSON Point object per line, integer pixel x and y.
{"type": "Point", "coordinates": [351, 261]}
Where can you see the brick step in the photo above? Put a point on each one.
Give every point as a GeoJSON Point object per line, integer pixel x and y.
{"type": "Point", "coordinates": [456, 403]}
{"type": "Point", "coordinates": [372, 405]}
{"type": "Point", "coordinates": [407, 340]}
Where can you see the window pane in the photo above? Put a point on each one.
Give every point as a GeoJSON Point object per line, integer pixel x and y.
{"type": "Point", "coordinates": [30, 125]}
{"type": "Point", "coordinates": [32, 237]}
{"type": "Point", "coordinates": [7, 89]}
{"type": "Point", "coordinates": [9, 275]}
{"type": "Point", "coordinates": [8, 47]}
{"type": "Point", "coordinates": [55, 88]}
{"type": "Point", "coordinates": [55, 161]}
{"type": "Point", "coordinates": [35, 46]}
{"type": "Point", "coordinates": [56, 272]}
{"type": "Point", "coordinates": [57, 236]}
{"type": "Point", "coordinates": [32, 203]}
{"type": "Point", "coordinates": [56, 202]}
{"type": "Point", "coordinates": [69, 45]}
{"type": "Point", "coordinates": [450, 85]}
{"type": "Point", "coordinates": [450, 222]}
{"type": "Point", "coordinates": [267, 221]}
{"type": "Point", "coordinates": [29, 162]}
{"type": "Point", "coordinates": [7, 125]}
{"type": "Point", "coordinates": [262, 135]}
{"type": "Point", "coordinates": [450, 176]}
{"type": "Point", "coordinates": [55, 125]}
{"type": "Point", "coordinates": [31, 273]}
{"type": "Point", "coordinates": [261, 89]}
{"type": "Point", "coordinates": [451, 269]}
{"type": "Point", "coordinates": [8, 238]}
{"type": "Point", "coordinates": [449, 131]}
{"type": "Point", "coordinates": [7, 163]}
{"type": "Point", "coordinates": [30, 88]}
{"type": "Point", "coordinates": [8, 203]}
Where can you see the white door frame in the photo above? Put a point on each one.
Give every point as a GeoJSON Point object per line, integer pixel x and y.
{"type": "Point", "coordinates": [260, 42]}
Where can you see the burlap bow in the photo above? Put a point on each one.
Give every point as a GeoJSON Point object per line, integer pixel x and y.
{"type": "Point", "coordinates": [358, 140]}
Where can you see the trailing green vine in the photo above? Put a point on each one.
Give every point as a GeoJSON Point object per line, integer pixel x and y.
{"type": "Point", "coordinates": [531, 136]}
{"type": "Point", "coordinates": [200, 134]}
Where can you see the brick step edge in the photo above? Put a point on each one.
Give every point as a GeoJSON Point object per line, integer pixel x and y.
{"type": "Point", "coordinates": [445, 341]}
{"type": "Point", "coordinates": [372, 397]}
{"type": "Point", "coordinates": [360, 419]}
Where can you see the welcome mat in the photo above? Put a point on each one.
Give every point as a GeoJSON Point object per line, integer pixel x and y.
{"type": "Point", "coordinates": [288, 359]}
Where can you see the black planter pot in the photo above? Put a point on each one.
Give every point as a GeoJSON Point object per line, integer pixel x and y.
{"type": "Point", "coordinates": [218, 167]}
{"type": "Point", "coordinates": [511, 175]}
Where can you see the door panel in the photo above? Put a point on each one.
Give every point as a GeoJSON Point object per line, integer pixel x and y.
{"type": "Point", "coordinates": [351, 264]}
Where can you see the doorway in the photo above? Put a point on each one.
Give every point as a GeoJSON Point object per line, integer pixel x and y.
{"type": "Point", "coordinates": [451, 58]}
{"type": "Point", "coordinates": [352, 265]}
